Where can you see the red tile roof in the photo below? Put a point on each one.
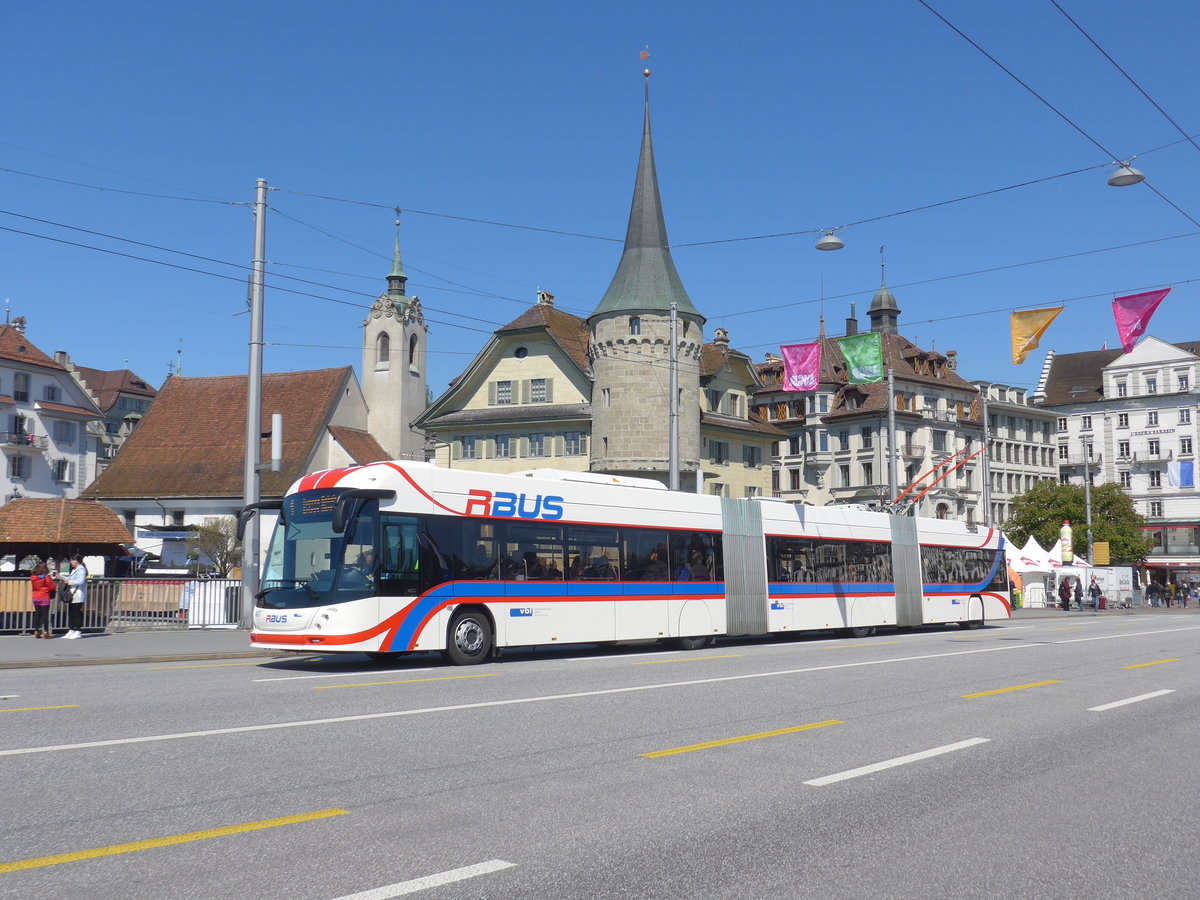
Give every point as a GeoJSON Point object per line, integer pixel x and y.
{"type": "Point", "coordinates": [362, 447]}
{"type": "Point", "coordinates": [68, 410]}
{"type": "Point", "coordinates": [15, 346]}
{"type": "Point", "coordinates": [192, 441]}
{"type": "Point", "coordinates": [568, 331]}
{"type": "Point", "coordinates": [60, 522]}
{"type": "Point", "coordinates": [108, 385]}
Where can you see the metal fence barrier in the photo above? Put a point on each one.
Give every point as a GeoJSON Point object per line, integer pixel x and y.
{"type": "Point", "coordinates": [118, 604]}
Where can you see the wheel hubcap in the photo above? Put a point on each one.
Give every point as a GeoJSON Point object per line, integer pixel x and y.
{"type": "Point", "coordinates": [469, 637]}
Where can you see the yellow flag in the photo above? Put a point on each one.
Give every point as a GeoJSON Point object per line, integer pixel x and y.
{"type": "Point", "coordinates": [1027, 328]}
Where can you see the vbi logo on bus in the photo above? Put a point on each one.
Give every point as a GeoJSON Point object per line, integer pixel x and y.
{"type": "Point", "coordinates": [521, 612]}
{"type": "Point", "coordinates": [504, 504]}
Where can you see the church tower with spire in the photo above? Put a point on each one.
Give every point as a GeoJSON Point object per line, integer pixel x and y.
{"type": "Point", "coordinates": [884, 312]}
{"type": "Point", "coordinates": [629, 346]}
{"type": "Point", "coordinates": [395, 339]}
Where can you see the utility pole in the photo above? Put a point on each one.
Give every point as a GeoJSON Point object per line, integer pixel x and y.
{"type": "Point", "coordinates": [987, 456]}
{"type": "Point", "coordinates": [1087, 497]}
{"type": "Point", "coordinates": [893, 485]}
{"type": "Point", "coordinates": [250, 483]}
{"type": "Point", "coordinates": [673, 406]}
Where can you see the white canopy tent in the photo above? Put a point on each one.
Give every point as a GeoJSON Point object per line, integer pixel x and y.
{"type": "Point", "coordinates": [1032, 567]}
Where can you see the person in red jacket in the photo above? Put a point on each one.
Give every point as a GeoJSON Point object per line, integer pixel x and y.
{"type": "Point", "coordinates": [43, 590]}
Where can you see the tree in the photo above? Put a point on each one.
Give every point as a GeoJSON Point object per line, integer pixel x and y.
{"type": "Point", "coordinates": [1041, 510]}
{"type": "Point", "coordinates": [217, 540]}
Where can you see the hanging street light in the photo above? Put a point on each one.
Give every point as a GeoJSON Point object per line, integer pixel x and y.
{"type": "Point", "coordinates": [1125, 175]}
{"type": "Point", "coordinates": [832, 242]}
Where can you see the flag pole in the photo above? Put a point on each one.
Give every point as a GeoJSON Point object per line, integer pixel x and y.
{"type": "Point", "coordinates": [893, 485]}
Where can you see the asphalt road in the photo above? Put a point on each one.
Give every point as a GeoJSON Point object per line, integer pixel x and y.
{"type": "Point", "coordinates": [935, 763]}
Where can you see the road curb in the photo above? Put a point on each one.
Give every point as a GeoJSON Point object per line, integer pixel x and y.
{"type": "Point", "coordinates": [125, 660]}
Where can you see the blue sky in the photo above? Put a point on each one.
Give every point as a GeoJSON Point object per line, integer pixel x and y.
{"type": "Point", "coordinates": [768, 118]}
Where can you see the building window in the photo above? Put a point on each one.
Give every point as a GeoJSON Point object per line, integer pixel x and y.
{"type": "Point", "coordinates": [18, 466]}
{"type": "Point", "coordinates": [51, 393]}
{"type": "Point", "coordinates": [1062, 451]}
{"type": "Point", "coordinates": [866, 438]}
{"type": "Point", "coordinates": [635, 325]}
{"type": "Point", "coordinates": [64, 471]}
{"type": "Point", "coordinates": [718, 452]}
{"type": "Point", "coordinates": [606, 397]}
{"type": "Point", "coordinates": [1151, 384]}
{"type": "Point", "coordinates": [751, 456]}
{"type": "Point", "coordinates": [1085, 423]}
{"type": "Point", "coordinates": [470, 446]}
{"type": "Point", "coordinates": [537, 390]}
{"type": "Point", "coordinates": [1123, 449]}
{"type": "Point", "coordinates": [21, 387]}
{"type": "Point", "coordinates": [868, 473]}
{"type": "Point", "coordinates": [939, 442]}
{"type": "Point", "coordinates": [1122, 420]}
{"type": "Point", "coordinates": [1185, 417]}
{"type": "Point", "coordinates": [1062, 423]}
{"type": "Point", "coordinates": [64, 432]}
{"type": "Point", "coordinates": [823, 441]}
{"type": "Point", "coordinates": [824, 402]}
{"type": "Point", "coordinates": [845, 473]}
{"type": "Point", "coordinates": [177, 518]}
{"type": "Point", "coordinates": [794, 445]}
{"type": "Point", "coordinates": [1185, 446]}
{"type": "Point", "coordinates": [503, 446]}
{"type": "Point", "coordinates": [537, 443]}
{"type": "Point", "coordinates": [383, 351]}
{"type": "Point", "coordinates": [1155, 478]}
{"type": "Point", "coordinates": [1183, 380]}
{"type": "Point", "coordinates": [843, 440]}
{"type": "Point", "coordinates": [1152, 447]}
{"type": "Point", "coordinates": [1152, 419]}
{"type": "Point", "coordinates": [1156, 509]}
{"type": "Point", "coordinates": [504, 393]}
{"type": "Point", "coordinates": [794, 479]}
{"type": "Point", "coordinates": [1126, 481]}
{"type": "Point", "coordinates": [412, 353]}
{"type": "Point", "coordinates": [1122, 389]}
{"type": "Point", "coordinates": [714, 400]}
{"type": "Point", "coordinates": [573, 443]}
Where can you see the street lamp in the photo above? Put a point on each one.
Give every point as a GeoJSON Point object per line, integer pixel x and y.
{"type": "Point", "coordinates": [1125, 175]}
{"type": "Point", "coordinates": [831, 241]}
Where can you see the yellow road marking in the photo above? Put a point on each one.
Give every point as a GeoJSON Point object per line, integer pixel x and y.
{"type": "Point", "coordinates": [330, 687]}
{"type": "Point", "coordinates": [35, 708]}
{"type": "Point", "coordinates": [657, 754]}
{"type": "Point", "coordinates": [171, 840]}
{"type": "Point", "coordinates": [1157, 662]}
{"type": "Point", "coordinates": [658, 662]}
{"type": "Point", "coordinates": [860, 644]}
{"type": "Point", "coordinates": [1019, 687]}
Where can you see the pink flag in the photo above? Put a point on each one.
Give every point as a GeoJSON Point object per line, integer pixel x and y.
{"type": "Point", "coordinates": [801, 367]}
{"type": "Point", "coordinates": [1133, 314]}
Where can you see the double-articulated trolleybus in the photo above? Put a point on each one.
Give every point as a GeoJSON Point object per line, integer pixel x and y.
{"type": "Point", "coordinates": [395, 557]}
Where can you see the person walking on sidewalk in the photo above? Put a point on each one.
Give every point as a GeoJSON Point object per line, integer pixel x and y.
{"type": "Point", "coordinates": [43, 590]}
{"type": "Point", "coordinates": [1064, 592]}
{"type": "Point", "coordinates": [1094, 592]}
{"type": "Point", "coordinates": [76, 581]}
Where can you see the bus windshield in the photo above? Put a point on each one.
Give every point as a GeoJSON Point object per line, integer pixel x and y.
{"type": "Point", "coordinates": [308, 564]}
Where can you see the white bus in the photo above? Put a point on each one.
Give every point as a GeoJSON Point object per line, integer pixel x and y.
{"type": "Point", "coordinates": [395, 557]}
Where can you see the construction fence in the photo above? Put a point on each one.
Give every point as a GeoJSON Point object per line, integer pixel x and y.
{"type": "Point", "coordinates": [130, 603]}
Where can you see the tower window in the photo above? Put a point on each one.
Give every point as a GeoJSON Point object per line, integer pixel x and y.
{"type": "Point", "coordinates": [635, 325]}
{"type": "Point", "coordinates": [383, 350]}
{"type": "Point", "coordinates": [412, 353]}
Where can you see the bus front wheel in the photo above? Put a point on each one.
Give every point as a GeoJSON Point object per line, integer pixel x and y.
{"type": "Point", "coordinates": [470, 638]}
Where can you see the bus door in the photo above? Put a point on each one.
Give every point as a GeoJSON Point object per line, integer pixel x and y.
{"type": "Point", "coordinates": [400, 569]}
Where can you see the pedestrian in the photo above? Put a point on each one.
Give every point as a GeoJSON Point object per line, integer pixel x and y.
{"type": "Point", "coordinates": [1094, 592]}
{"type": "Point", "coordinates": [76, 583]}
{"type": "Point", "coordinates": [1064, 592]}
{"type": "Point", "coordinates": [43, 590]}
{"type": "Point", "coordinates": [1172, 588]}
{"type": "Point", "coordinates": [1078, 592]}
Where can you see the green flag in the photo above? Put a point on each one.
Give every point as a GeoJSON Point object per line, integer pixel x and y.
{"type": "Point", "coordinates": [864, 356]}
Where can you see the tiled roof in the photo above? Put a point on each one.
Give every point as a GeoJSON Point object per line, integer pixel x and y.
{"type": "Point", "coordinates": [1078, 377]}
{"type": "Point", "coordinates": [568, 331]}
{"type": "Point", "coordinates": [66, 522]}
{"type": "Point", "coordinates": [107, 385]}
{"type": "Point", "coordinates": [15, 346]}
{"type": "Point", "coordinates": [361, 446]}
{"type": "Point", "coordinates": [68, 410]}
{"type": "Point", "coordinates": [192, 441]}
{"type": "Point", "coordinates": [754, 425]}
{"type": "Point", "coordinates": [512, 415]}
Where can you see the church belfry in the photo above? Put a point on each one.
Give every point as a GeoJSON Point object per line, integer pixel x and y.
{"type": "Point", "coordinates": [393, 365]}
{"type": "Point", "coordinates": [884, 312]}
{"type": "Point", "coordinates": [628, 346]}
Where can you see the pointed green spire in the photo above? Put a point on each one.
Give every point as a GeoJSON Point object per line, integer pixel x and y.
{"type": "Point", "coordinates": [396, 278]}
{"type": "Point", "coordinates": [646, 278]}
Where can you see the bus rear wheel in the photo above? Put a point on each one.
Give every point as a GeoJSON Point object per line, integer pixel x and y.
{"type": "Point", "coordinates": [469, 640]}
{"type": "Point", "coordinates": [861, 631]}
{"type": "Point", "coordinates": [697, 642]}
{"type": "Point", "coordinates": [973, 623]}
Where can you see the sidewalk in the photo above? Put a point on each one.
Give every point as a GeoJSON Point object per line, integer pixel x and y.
{"type": "Point", "coordinates": [97, 648]}
{"type": "Point", "coordinates": [24, 651]}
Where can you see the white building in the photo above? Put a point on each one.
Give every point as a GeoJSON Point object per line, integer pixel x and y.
{"type": "Point", "coordinates": [46, 415]}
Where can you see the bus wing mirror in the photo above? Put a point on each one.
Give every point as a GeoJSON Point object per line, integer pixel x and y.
{"type": "Point", "coordinates": [348, 503]}
{"type": "Point", "coordinates": [247, 512]}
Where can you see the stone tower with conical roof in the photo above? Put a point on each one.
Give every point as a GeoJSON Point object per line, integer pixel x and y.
{"type": "Point", "coordinates": [393, 365]}
{"type": "Point", "coordinates": [884, 312]}
{"type": "Point", "coordinates": [629, 347]}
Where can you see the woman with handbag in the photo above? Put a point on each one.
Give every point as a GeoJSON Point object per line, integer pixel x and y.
{"type": "Point", "coordinates": [43, 590]}
{"type": "Point", "coordinates": [76, 582]}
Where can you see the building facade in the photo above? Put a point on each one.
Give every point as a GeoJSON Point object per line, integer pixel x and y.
{"type": "Point", "coordinates": [1130, 418]}
{"type": "Point", "coordinates": [47, 413]}
{"type": "Point", "coordinates": [122, 396]}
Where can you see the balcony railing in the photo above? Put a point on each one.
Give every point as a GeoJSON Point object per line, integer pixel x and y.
{"type": "Point", "coordinates": [917, 451]}
{"type": "Point", "coordinates": [22, 440]}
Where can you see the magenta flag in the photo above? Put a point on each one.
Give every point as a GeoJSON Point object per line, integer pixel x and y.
{"type": "Point", "coordinates": [1133, 314]}
{"type": "Point", "coordinates": [801, 367]}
